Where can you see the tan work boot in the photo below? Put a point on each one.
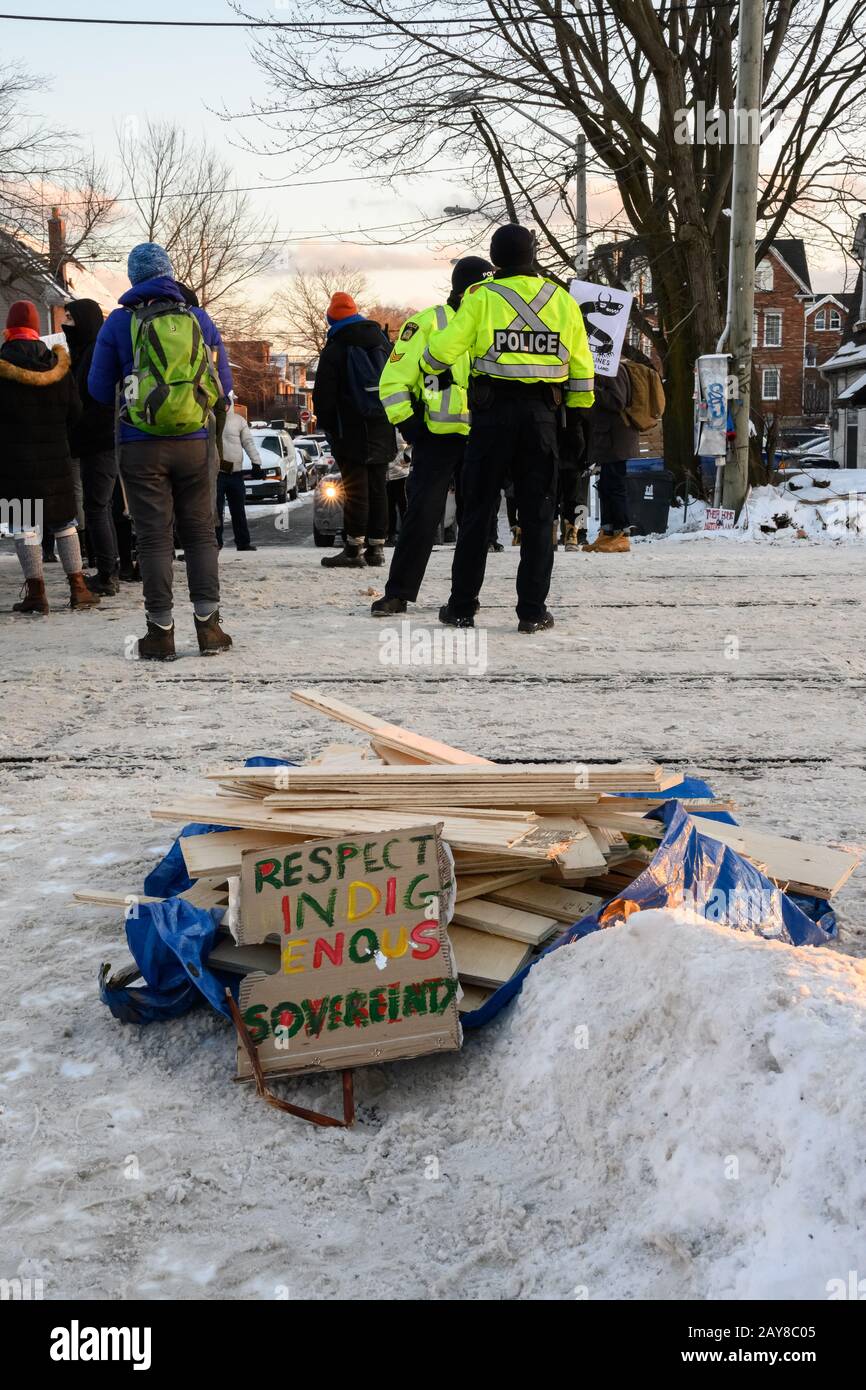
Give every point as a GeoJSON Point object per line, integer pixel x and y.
{"type": "Point", "coordinates": [606, 544]}
{"type": "Point", "coordinates": [33, 597]}
{"type": "Point", "coordinates": [211, 638]}
{"type": "Point", "coordinates": [515, 535]}
{"type": "Point", "coordinates": [569, 536]}
{"type": "Point", "coordinates": [79, 594]}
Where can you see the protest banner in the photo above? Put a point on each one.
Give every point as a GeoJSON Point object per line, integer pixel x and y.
{"type": "Point", "coordinates": [605, 313]}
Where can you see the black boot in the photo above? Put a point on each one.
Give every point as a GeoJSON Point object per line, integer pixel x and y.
{"type": "Point", "coordinates": [450, 619]}
{"type": "Point", "coordinates": [106, 585]}
{"type": "Point", "coordinates": [375, 554]}
{"type": "Point", "coordinates": [130, 573]}
{"type": "Point", "coordinates": [158, 645]}
{"type": "Point", "coordinates": [543, 624]}
{"type": "Point", "coordinates": [349, 558]}
{"type": "Point", "coordinates": [387, 607]}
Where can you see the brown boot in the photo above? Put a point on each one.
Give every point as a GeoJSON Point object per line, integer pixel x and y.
{"type": "Point", "coordinates": [158, 645]}
{"type": "Point", "coordinates": [79, 594]}
{"type": "Point", "coordinates": [211, 638]}
{"type": "Point", "coordinates": [33, 597]}
{"type": "Point", "coordinates": [515, 535]}
{"type": "Point", "coordinates": [570, 536]}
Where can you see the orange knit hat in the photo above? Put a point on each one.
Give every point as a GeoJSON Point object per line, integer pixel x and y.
{"type": "Point", "coordinates": [342, 306]}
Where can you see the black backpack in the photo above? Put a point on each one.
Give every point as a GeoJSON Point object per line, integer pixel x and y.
{"type": "Point", "coordinates": [364, 366]}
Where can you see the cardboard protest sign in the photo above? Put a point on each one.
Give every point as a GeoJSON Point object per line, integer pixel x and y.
{"type": "Point", "coordinates": [720, 519]}
{"type": "Point", "coordinates": [605, 312]}
{"type": "Point", "coordinates": [367, 971]}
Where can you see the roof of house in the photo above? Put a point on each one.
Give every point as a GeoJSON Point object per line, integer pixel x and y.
{"type": "Point", "coordinates": [793, 252]}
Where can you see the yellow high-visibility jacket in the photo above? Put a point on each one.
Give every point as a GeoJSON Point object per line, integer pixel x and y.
{"type": "Point", "coordinates": [522, 328]}
{"type": "Point", "coordinates": [403, 382]}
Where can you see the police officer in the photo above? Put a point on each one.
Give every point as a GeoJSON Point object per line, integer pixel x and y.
{"type": "Point", "coordinates": [531, 375]}
{"type": "Point", "coordinates": [435, 421]}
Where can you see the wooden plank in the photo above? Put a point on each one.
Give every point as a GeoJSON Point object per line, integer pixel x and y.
{"type": "Point", "coordinates": [487, 960]}
{"type": "Point", "coordinates": [482, 885]}
{"type": "Point", "coordinates": [427, 749]}
{"type": "Point", "coordinates": [798, 864]}
{"type": "Point", "coordinates": [561, 839]}
{"type": "Point", "coordinates": [220, 851]}
{"type": "Point", "coordinates": [564, 904]}
{"type": "Point", "coordinates": [473, 997]}
{"type": "Point", "coordinates": [515, 923]}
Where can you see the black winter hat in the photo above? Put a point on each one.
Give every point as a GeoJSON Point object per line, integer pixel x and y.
{"type": "Point", "coordinates": [87, 317]}
{"type": "Point", "coordinates": [469, 271]}
{"type": "Point", "coordinates": [512, 245]}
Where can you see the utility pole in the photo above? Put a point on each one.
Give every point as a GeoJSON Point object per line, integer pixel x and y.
{"type": "Point", "coordinates": [581, 254]}
{"type": "Point", "coordinates": [744, 210]}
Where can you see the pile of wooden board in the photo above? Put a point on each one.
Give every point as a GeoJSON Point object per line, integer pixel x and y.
{"type": "Point", "coordinates": [535, 846]}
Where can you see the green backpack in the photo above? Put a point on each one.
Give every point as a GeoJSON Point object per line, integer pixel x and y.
{"type": "Point", "coordinates": [172, 388]}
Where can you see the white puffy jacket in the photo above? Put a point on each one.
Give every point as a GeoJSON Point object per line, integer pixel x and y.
{"type": "Point", "coordinates": [238, 440]}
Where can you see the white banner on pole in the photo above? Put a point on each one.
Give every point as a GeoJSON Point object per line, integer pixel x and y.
{"type": "Point", "coordinates": [605, 312]}
{"type": "Point", "coordinates": [711, 404]}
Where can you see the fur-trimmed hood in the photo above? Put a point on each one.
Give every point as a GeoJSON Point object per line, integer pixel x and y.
{"type": "Point", "coordinates": [40, 373]}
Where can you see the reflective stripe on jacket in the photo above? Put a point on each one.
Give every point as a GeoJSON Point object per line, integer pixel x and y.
{"type": "Point", "coordinates": [402, 384]}
{"type": "Point", "coordinates": [523, 328]}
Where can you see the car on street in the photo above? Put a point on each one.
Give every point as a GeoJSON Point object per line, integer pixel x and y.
{"type": "Point", "coordinates": [317, 452]}
{"type": "Point", "coordinates": [277, 478]}
{"type": "Point", "coordinates": [328, 511]}
{"type": "Point", "coordinates": [328, 507]}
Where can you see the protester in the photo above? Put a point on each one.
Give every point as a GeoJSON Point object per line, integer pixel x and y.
{"type": "Point", "coordinates": [614, 440]}
{"type": "Point", "coordinates": [161, 351]}
{"type": "Point", "coordinates": [92, 444]}
{"type": "Point", "coordinates": [434, 419]}
{"type": "Point", "coordinates": [128, 573]}
{"type": "Point", "coordinates": [347, 407]}
{"type": "Point", "coordinates": [237, 439]}
{"type": "Point", "coordinates": [530, 359]}
{"type": "Point", "coordinates": [39, 405]}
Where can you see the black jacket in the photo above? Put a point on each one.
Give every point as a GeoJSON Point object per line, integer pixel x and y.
{"type": "Point", "coordinates": [94, 433]}
{"type": "Point", "coordinates": [612, 438]}
{"type": "Point", "coordinates": [354, 438]}
{"type": "Point", "coordinates": [38, 406]}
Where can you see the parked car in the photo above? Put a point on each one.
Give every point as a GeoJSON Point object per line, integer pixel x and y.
{"type": "Point", "coordinates": [328, 507]}
{"type": "Point", "coordinates": [304, 481]}
{"type": "Point", "coordinates": [277, 478]}
{"type": "Point", "coordinates": [328, 511]}
{"type": "Point", "coordinates": [318, 454]}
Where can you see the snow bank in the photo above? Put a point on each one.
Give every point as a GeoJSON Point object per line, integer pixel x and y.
{"type": "Point", "coordinates": [821, 504]}
{"type": "Point", "coordinates": [694, 1097]}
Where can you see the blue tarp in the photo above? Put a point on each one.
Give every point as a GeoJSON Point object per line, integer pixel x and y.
{"type": "Point", "coordinates": [171, 941]}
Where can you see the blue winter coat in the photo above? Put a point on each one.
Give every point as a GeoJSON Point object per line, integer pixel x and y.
{"type": "Point", "coordinates": [112, 355]}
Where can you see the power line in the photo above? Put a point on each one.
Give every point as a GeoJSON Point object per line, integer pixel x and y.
{"type": "Point", "coordinates": [268, 187]}
{"type": "Point", "coordinates": [241, 23]}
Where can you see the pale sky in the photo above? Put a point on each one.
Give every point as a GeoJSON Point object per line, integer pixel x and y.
{"type": "Point", "coordinates": [103, 77]}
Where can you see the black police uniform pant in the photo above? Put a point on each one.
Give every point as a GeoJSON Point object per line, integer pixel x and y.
{"type": "Point", "coordinates": [436, 458]}
{"type": "Point", "coordinates": [517, 438]}
{"type": "Point", "coordinates": [613, 495]}
{"type": "Point", "coordinates": [230, 488]}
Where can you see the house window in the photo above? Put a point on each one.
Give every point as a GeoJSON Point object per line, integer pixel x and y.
{"type": "Point", "coordinates": [764, 276]}
{"type": "Point", "coordinates": [811, 357]}
{"type": "Point", "coordinates": [835, 319]}
{"type": "Point", "coordinates": [772, 329]}
{"type": "Point", "coordinates": [820, 320]}
{"type": "Point", "coordinates": [771, 384]}
{"type": "Point", "coordinates": [755, 329]}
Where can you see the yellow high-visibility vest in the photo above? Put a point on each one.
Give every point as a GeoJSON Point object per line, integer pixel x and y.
{"type": "Point", "coordinates": [523, 328]}
{"type": "Point", "coordinates": [404, 382]}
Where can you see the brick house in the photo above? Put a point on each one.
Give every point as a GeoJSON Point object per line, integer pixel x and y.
{"type": "Point", "coordinates": [783, 295]}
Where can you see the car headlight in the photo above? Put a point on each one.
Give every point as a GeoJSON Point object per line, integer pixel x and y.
{"type": "Point", "coordinates": [330, 490]}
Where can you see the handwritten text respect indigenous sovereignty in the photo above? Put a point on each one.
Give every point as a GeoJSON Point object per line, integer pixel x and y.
{"type": "Point", "coordinates": [324, 892]}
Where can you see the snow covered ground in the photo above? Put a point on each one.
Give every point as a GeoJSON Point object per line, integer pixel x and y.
{"type": "Point", "coordinates": [525, 1165]}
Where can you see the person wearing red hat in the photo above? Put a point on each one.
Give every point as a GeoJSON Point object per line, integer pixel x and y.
{"type": "Point", "coordinates": [348, 409]}
{"type": "Point", "coordinates": [39, 404]}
